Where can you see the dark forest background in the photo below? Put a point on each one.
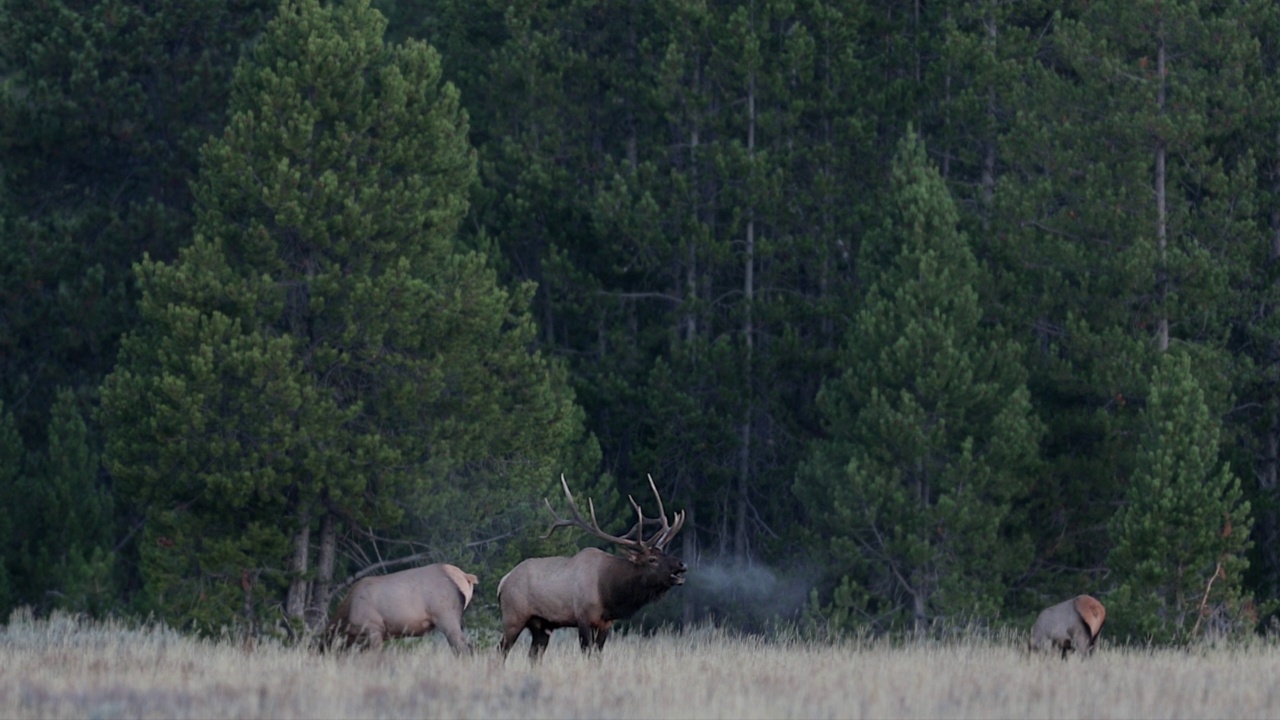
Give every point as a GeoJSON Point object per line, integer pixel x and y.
{"type": "Point", "coordinates": [926, 312]}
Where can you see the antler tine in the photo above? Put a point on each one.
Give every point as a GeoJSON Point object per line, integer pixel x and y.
{"type": "Point", "coordinates": [662, 512]}
{"type": "Point", "coordinates": [573, 504]}
{"type": "Point", "coordinates": [669, 534]}
{"type": "Point", "coordinates": [639, 528]}
{"type": "Point", "coordinates": [573, 508]}
{"type": "Point", "coordinates": [559, 523]}
{"type": "Point", "coordinates": [579, 522]}
{"type": "Point", "coordinates": [591, 505]}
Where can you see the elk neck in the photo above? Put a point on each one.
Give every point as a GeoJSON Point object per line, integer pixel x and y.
{"type": "Point", "coordinates": [627, 587]}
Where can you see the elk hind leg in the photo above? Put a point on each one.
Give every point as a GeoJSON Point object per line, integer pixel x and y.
{"type": "Point", "coordinates": [538, 639]}
{"type": "Point", "coordinates": [456, 637]}
{"type": "Point", "coordinates": [510, 633]}
{"type": "Point", "coordinates": [1081, 641]}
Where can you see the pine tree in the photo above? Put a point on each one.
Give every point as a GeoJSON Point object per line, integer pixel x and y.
{"type": "Point", "coordinates": [1117, 236]}
{"type": "Point", "coordinates": [1181, 536]}
{"type": "Point", "coordinates": [325, 357]}
{"type": "Point", "coordinates": [1257, 408]}
{"type": "Point", "coordinates": [929, 433]}
{"type": "Point", "coordinates": [66, 559]}
{"type": "Point", "coordinates": [58, 535]}
{"type": "Point", "coordinates": [102, 112]}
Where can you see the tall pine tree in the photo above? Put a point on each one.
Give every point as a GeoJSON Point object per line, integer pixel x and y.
{"type": "Point", "coordinates": [102, 113]}
{"type": "Point", "coordinates": [324, 357]}
{"type": "Point", "coordinates": [1181, 536]}
{"type": "Point", "coordinates": [929, 433]}
{"type": "Point", "coordinates": [1117, 231]}
{"type": "Point", "coordinates": [66, 537]}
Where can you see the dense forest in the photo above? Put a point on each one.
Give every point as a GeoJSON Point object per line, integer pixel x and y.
{"type": "Point", "coordinates": [924, 312]}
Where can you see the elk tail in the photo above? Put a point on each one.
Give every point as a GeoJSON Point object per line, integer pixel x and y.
{"type": "Point", "coordinates": [464, 581]}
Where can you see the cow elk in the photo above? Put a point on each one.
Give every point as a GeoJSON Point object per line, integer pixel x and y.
{"type": "Point", "coordinates": [593, 588]}
{"type": "Point", "coordinates": [409, 603]}
{"type": "Point", "coordinates": [1071, 625]}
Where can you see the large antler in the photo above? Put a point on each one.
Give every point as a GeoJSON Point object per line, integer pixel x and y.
{"type": "Point", "coordinates": [665, 533]}
{"type": "Point", "coordinates": [579, 522]}
{"type": "Point", "coordinates": [634, 538]}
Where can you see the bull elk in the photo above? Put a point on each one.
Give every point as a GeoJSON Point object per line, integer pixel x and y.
{"type": "Point", "coordinates": [593, 588]}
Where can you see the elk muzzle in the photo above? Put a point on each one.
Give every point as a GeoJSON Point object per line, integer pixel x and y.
{"type": "Point", "coordinates": [677, 575]}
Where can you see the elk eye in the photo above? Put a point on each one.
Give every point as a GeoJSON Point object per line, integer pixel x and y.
{"type": "Point", "coordinates": [653, 560]}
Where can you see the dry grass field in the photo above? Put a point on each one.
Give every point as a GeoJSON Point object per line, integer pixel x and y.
{"type": "Point", "coordinates": [64, 668]}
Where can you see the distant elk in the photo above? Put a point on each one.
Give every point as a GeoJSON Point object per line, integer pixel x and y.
{"type": "Point", "coordinates": [1071, 625]}
{"type": "Point", "coordinates": [409, 603]}
{"type": "Point", "coordinates": [593, 588]}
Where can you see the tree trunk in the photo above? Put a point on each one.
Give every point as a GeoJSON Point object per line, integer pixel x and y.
{"type": "Point", "coordinates": [989, 149]}
{"type": "Point", "coordinates": [250, 620]}
{"type": "Point", "coordinates": [321, 589]}
{"type": "Point", "coordinates": [740, 547]}
{"type": "Point", "coordinates": [691, 261]}
{"type": "Point", "coordinates": [1162, 209]}
{"type": "Point", "coordinates": [296, 601]}
{"type": "Point", "coordinates": [919, 612]}
{"type": "Point", "coordinates": [1269, 470]}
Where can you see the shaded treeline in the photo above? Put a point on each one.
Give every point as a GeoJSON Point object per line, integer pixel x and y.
{"type": "Point", "coordinates": [952, 309]}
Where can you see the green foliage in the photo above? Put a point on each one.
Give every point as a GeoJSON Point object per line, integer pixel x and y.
{"type": "Point", "coordinates": [1119, 233]}
{"type": "Point", "coordinates": [1181, 536]}
{"type": "Point", "coordinates": [690, 199]}
{"type": "Point", "coordinates": [61, 541]}
{"type": "Point", "coordinates": [103, 107]}
{"type": "Point", "coordinates": [75, 511]}
{"type": "Point", "coordinates": [324, 347]}
{"type": "Point", "coordinates": [930, 434]}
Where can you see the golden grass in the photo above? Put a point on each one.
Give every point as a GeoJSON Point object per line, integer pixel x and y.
{"type": "Point", "coordinates": [64, 668]}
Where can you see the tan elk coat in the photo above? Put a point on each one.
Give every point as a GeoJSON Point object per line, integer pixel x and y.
{"type": "Point", "coordinates": [1071, 625]}
{"type": "Point", "coordinates": [593, 588]}
{"type": "Point", "coordinates": [410, 603]}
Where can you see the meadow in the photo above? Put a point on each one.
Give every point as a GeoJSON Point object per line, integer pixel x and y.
{"type": "Point", "coordinates": [65, 667]}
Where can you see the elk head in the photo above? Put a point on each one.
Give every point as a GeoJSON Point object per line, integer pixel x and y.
{"type": "Point", "coordinates": [658, 570]}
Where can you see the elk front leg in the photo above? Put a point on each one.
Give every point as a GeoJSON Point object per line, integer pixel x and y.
{"type": "Point", "coordinates": [374, 640]}
{"type": "Point", "coordinates": [585, 635]}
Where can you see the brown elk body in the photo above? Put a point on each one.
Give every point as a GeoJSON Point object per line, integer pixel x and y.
{"type": "Point", "coordinates": [592, 589]}
{"type": "Point", "coordinates": [409, 603]}
{"type": "Point", "coordinates": [1071, 625]}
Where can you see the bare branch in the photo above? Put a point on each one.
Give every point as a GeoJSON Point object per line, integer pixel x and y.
{"type": "Point", "coordinates": [1217, 572]}
{"type": "Point", "coordinates": [382, 564]}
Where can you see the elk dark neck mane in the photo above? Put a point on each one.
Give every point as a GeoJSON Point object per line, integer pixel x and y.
{"type": "Point", "coordinates": [628, 588]}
